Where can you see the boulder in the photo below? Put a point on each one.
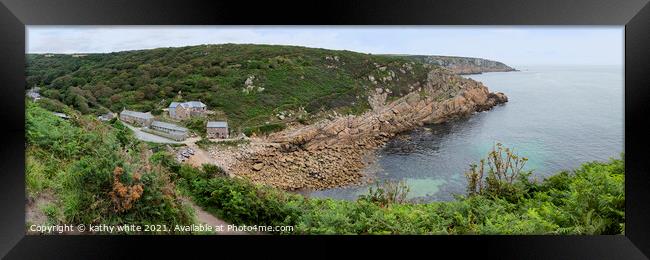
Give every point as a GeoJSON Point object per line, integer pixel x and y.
{"type": "Point", "coordinates": [258, 166]}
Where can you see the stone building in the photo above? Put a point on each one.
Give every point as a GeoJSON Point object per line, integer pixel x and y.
{"type": "Point", "coordinates": [186, 110]}
{"type": "Point", "coordinates": [168, 130]}
{"type": "Point", "coordinates": [217, 129]}
{"type": "Point", "coordinates": [34, 93]}
{"type": "Point", "coordinates": [106, 117]}
{"type": "Point", "coordinates": [61, 115]}
{"type": "Point", "coordinates": [136, 118]}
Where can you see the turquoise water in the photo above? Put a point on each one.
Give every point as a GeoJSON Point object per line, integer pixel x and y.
{"type": "Point", "coordinates": [557, 116]}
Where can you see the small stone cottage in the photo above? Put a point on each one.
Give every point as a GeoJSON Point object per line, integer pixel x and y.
{"type": "Point", "coordinates": [106, 117]}
{"type": "Point", "coordinates": [217, 129]}
{"type": "Point", "coordinates": [34, 93]}
{"type": "Point", "coordinates": [186, 110]}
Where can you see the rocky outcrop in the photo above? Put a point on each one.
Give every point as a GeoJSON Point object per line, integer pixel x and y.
{"type": "Point", "coordinates": [332, 152]}
{"type": "Point", "coordinates": [442, 97]}
{"type": "Point", "coordinates": [464, 65]}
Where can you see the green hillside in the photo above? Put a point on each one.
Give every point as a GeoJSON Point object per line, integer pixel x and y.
{"type": "Point", "coordinates": [81, 171]}
{"type": "Point", "coordinates": [280, 78]}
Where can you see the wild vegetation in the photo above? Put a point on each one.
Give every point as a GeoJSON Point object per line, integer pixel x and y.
{"type": "Point", "coordinates": [99, 174]}
{"type": "Point", "coordinates": [96, 173]}
{"type": "Point", "coordinates": [589, 200]}
{"type": "Point", "coordinates": [86, 171]}
{"type": "Point", "coordinates": [250, 84]}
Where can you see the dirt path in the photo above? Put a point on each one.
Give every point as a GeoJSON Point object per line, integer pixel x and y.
{"type": "Point", "coordinates": [33, 209]}
{"type": "Point", "coordinates": [199, 157]}
{"type": "Point", "coordinates": [208, 219]}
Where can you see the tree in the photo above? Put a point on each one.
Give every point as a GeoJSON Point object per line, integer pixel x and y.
{"type": "Point", "coordinates": [150, 91]}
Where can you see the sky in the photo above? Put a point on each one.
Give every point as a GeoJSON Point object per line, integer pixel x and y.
{"type": "Point", "coordinates": [513, 45]}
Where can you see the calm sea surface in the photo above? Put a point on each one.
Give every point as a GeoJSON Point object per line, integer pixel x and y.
{"type": "Point", "coordinates": [557, 116]}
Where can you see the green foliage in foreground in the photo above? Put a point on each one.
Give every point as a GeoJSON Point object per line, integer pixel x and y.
{"type": "Point", "coordinates": [75, 162]}
{"type": "Point", "coordinates": [589, 200]}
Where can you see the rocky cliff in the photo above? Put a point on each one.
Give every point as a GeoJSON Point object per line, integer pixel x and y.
{"type": "Point", "coordinates": [333, 152]}
{"type": "Point", "coordinates": [464, 65]}
{"type": "Point", "coordinates": [444, 96]}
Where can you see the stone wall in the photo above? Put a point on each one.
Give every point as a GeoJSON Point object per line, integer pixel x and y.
{"type": "Point", "coordinates": [217, 132]}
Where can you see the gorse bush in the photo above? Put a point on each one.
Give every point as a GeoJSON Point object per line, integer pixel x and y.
{"type": "Point", "coordinates": [123, 196]}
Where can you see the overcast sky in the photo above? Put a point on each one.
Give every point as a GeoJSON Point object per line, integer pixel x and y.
{"type": "Point", "coordinates": [513, 45]}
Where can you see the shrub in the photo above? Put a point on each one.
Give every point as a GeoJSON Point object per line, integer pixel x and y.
{"type": "Point", "coordinates": [214, 170]}
{"type": "Point", "coordinates": [196, 124]}
{"type": "Point", "coordinates": [123, 196]}
{"type": "Point", "coordinates": [387, 192]}
{"type": "Point", "coordinates": [204, 143]}
{"type": "Point", "coordinates": [241, 202]}
{"type": "Point", "coordinates": [504, 168]}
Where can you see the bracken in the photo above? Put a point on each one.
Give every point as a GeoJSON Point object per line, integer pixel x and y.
{"type": "Point", "coordinates": [124, 196]}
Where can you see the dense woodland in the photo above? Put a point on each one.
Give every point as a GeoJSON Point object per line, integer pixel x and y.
{"type": "Point", "coordinates": [250, 84]}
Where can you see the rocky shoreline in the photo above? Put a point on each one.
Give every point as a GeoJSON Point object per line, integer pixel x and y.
{"type": "Point", "coordinates": [311, 169]}
{"type": "Point", "coordinates": [331, 153]}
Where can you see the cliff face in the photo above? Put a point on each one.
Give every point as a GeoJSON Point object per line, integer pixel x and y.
{"type": "Point", "coordinates": [444, 96]}
{"type": "Point", "coordinates": [333, 152]}
{"type": "Point", "coordinates": [464, 65]}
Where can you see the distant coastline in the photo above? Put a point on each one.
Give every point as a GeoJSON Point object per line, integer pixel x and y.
{"type": "Point", "coordinates": [463, 65]}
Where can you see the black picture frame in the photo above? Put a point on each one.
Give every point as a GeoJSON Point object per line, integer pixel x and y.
{"type": "Point", "coordinates": [633, 14]}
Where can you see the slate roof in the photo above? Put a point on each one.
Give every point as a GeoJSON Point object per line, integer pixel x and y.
{"type": "Point", "coordinates": [168, 126]}
{"type": "Point", "coordinates": [147, 115]}
{"type": "Point", "coordinates": [61, 115]}
{"type": "Point", "coordinates": [217, 124]}
{"type": "Point", "coordinates": [188, 104]}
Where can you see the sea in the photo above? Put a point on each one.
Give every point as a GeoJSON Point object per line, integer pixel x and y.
{"type": "Point", "coordinates": [557, 116]}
